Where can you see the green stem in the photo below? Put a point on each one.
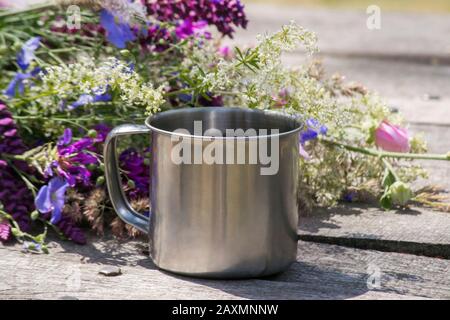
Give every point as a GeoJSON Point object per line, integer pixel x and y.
{"type": "Point", "coordinates": [391, 169]}
{"type": "Point", "coordinates": [36, 8]}
{"type": "Point", "coordinates": [387, 154]}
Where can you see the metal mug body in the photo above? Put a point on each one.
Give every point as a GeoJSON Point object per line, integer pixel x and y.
{"type": "Point", "coordinates": [222, 220]}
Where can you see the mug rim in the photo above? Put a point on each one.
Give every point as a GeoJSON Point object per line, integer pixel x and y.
{"type": "Point", "coordinates": [189, 109]}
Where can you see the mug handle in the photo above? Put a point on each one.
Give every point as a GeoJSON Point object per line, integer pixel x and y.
{"type": "Point", "coordinates": [113, 181]}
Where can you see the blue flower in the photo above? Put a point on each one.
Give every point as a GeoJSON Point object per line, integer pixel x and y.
{"type": "Point", "coordinates": [66, 138]}
{"type": "Point", "coordinates": [51, 198]}
{"type": "Point", "coordinates": [26, 54]}
{"type": "Point", "coordinates": [313, 129]}
{"type": "Point", "coordinates": [16, 85]}
{"type": "Point", "coordinates": [85, 99]}
{"type": "Point", "coordinates": [118, 32]}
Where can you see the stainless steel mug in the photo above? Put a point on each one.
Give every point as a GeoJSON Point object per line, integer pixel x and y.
{"type": "Point", "coordinates": [219, 220]}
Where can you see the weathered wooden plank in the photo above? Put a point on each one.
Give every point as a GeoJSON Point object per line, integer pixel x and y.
{"type": "Point", "coordinates": [418, 231]}
{"type": "Point", "coordinates": [322, 272]}
{"type": "Point", "coordinates": [345, 31]}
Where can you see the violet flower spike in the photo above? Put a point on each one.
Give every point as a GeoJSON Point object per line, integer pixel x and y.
{"type": "Point", "coordinates": [51, 198]}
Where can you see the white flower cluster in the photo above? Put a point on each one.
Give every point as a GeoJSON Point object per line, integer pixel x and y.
{"type": "Point", "coordinates": [112, 75]}
{"type": "Point", "coordinates": [255, 77]}
{"type": "Point", "coordinates": [289, 38]}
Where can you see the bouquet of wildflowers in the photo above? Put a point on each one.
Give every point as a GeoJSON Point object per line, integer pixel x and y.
{"type": "Point", "coordinates": [71, 70]}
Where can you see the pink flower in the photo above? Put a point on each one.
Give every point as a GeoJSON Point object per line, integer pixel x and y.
{"type": "Point", "coordinates": [225, 52]}
{"type": "Point", "coordinates": [392, 138]}
{"type": "Point", "coordinates": [5, 231]}
{"type": "Point", "coordinates": [281, 99]}
{"type": "Point", "coordinates": [305, 155]}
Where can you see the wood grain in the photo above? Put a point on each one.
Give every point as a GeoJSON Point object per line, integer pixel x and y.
{"type": "Point", "coordinates": [321, 272]}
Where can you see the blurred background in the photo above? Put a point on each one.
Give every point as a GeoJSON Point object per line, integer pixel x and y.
{"type": "Point", "coordinates": [401, 49]}
{"type": "Point", "coordinates": [405, 57]}
{"type": "Point", "coordinates": [400, 5]}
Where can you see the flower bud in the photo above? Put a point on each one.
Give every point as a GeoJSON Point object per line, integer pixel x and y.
{"type": "Point", "coordinates": [125, 53]}
{"type": "Point", "coordinates": [92, 133]}
{"type": "Point", "coordinates": [100, 181]}
{"type": "Point", "coordinates": [34, 215]}
{"type": "Point", "coordinates": [400, 193]}
{"type": "Point", "coordinates": [131, 184]}
{"type": "Point", "coordinates": [392, 138]}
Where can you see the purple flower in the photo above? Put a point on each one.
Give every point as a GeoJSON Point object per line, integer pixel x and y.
{"type": "Point", "coordinates": [74, 157]}
{"type": "Point", "coordinates": [66, 138]}
{"type": "Point", "coordinates": [51, 198]}
{"type": "Point", "coordinates": [188, 28]}
{"type": "Point", "coordinates": [14, 194]}
{"type": "Point", "coordinates": [16, 85]}
{"type": "Point", "coordinates": [349, 196]}
{"type": "Point", "coordinates": [70, 230]}
{"type": "Point", "coordinates": [118, 32]}
{"type": "Point", "coordinates": [133, 163]}
{"type": "Point", "coordinates": [224, 14]}
{"type": "Point", "coordinates": [26, 54]}
{"type": "Point", "coordinates": [85, 99]}
{"type": "Point", "coordinates": [312, 131]}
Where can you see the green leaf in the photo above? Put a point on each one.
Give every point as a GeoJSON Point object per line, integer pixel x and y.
{"type": "Point", "coordinates": [386, 201]}
{"type": "Point", "coordinates": [388, 178]}
{"type": "Point", "coordinates": [40, 238]}
{"type": "Point", "coordinates": [371, 138]}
